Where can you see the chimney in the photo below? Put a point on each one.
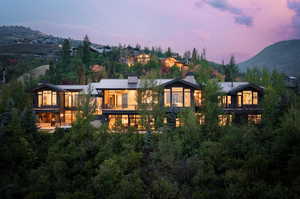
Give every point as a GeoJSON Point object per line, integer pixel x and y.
{"type": "Point", "coordinates": [132, 79]}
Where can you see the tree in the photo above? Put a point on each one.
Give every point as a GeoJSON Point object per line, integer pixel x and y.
{"type": "Point", "coordinates": [86, 50]}
{"type": "Point", "coordinates": [195, 56]}
{"type": "Point", "coordinates": [231, 70]}
{"type": "Point", "coordinates": [169, 52]}
{"type": "Point", "coordinates": [66, 50]}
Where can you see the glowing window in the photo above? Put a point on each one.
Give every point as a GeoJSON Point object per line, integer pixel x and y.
{"type": "Point", "coordinates": [70, 117]}
{"type": "Point", "coordinates": [255, 98]}
{"type": "Point", "coordinates": [40, 99]}
{"type": "Point", "coordinates": [71, 99]}
{"type": "Point", "coordinates": [47, 98]}
{"type": "Point", "coordinates": [179, 122]}
{"type": "Point", "coordinates": [198, 97]}
{"type": "Point", "coordinates": [247, 97]}
{"type": "Point", "coordinates": [187, 97]}
{"type": "Point", "coordinates": [239, 99]}
{"type": "Point", "coordinates": [255, 119]}
{"type": "Point", "coordinates": [177, 97]}
{"type": "Point", "coordinates": [200, 118]}
{"type": "Point", "coordinates": [167, 95]}
{"type": "Point", "coordinates": [225, 120]}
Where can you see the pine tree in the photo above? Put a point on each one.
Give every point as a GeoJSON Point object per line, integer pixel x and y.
{"type": "Point", "coordinates": [169, 52]}
{"type": "Point", "coordinates": [195, 56]}
{"type": "Point", "coordinates": [86, 50]}
{"type": "Point", "coordinates": [231, 70]}
{"type": "Point", "coordinates": [66, 51]}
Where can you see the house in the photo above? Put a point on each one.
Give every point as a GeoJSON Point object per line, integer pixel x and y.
{"type": "Point", "coordinates": [141, 58]}
{"type": "Point", "coordinates": [170, 62]}
{"type": "Point", "coordinates": [116, 101]}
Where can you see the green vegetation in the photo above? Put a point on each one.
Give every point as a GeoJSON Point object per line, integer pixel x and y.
{"type": "Point", "coordinates": [282, 56]}
{"type": "Point", "coordinates": [191, 161]}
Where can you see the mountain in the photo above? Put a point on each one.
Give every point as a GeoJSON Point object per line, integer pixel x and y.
{"type": "Point", "coordinates": [283, 56]}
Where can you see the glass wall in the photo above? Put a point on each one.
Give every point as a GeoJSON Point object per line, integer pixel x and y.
{"type": "Point", "coordinates": [224, 101]}
{"type": "Point", "coordinates": [47, 98]}
{"type": "Point", "coordinates": [247, 98]}
{"type": "Point", "coordinates": [71, 99]}
{"type": "Point", "coordinates": [178, 97]}
{"type": "Point", "coordinates": [70, 117]}
{"type": "Point", "coordinates": [120, 99]}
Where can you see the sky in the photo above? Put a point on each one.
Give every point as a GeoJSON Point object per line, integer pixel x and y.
{"type": "Point", "coordinates": [223, 27]}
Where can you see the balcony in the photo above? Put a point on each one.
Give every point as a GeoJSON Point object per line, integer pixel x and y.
{"type": "Point", "coordinates": [123, 107]}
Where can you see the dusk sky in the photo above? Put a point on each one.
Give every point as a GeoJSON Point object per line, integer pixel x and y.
{"type": "Point", "coordinates": [224, 27]}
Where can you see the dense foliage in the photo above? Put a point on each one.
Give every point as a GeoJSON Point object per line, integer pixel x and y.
{"type": "Point", "coordinates": [192, 161]}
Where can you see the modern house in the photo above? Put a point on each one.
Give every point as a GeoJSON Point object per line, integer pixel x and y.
{"type": "Point", "coordinates": [117, 101]}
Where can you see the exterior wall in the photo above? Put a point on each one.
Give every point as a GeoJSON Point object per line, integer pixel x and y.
{"type": "Point", "coordinates": [106, 114]}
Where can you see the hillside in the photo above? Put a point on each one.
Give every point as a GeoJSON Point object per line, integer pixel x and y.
{"type": "Point", "coordinates": [283, 56]}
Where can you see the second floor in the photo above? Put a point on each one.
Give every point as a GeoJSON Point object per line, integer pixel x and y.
{"type": "Point", "coordinates": [132, 94]}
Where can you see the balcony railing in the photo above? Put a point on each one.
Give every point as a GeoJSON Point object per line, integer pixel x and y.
{"type": "Point", "coordinates": [120, 107]}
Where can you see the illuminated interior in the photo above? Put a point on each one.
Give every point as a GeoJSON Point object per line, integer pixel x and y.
{"type": "Point", "coordinates": [143, 58]}
{"type": "Point", "coordinates": [179, 122]}
{"type": "Point", "coordinates": [198, 97]}
{"type": "Point", "coordinates": [255, 119]}
{"type": "Point", "coordinates": [47, 120]}
{"type": "Point", "coordinates": [96, 102]}
{"type": "Point", "coordinates": [71, 99]}
{"type": "Point", "coordinates": [117, 122]}
{"type": "Point", "coordinates": [225, 120]}
{"type": "Point", "coordinates": [70, 117]}
{"type": "Point", "coordinates": [47, 98]}
{"type": "Point", "coordinates": [167, 97]}
{"type": "Point", "coordinates": [224, 101]}
{"type": "Point", "coordinates": [179, 96]}
{"type": "Point", "coordinates": [247, 98]}
{"type": "Point", "coordinates": [120, 99]}
{"type": "Point", "coordinates": [200, 118]}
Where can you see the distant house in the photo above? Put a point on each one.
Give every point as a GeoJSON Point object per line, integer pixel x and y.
{"type": "Point", "coordinates": [172, 62]}
{"type": "Point", "coordinates": [116, 101]}
{"type": "Point", "coordinates": [141, 58]}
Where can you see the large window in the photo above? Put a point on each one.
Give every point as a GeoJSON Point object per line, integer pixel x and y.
{"type": "Point", "coordinates": [254, 119]}
{"type": "Point", "coordinates": [71, 99]}
{"type": "Point", "coordinates": [224, 101]}
{"type": "Point", "coordinates": [116, 122]}
{"type": "Point", "coordinates": [120, 99]}
{"type": "Point", "coordinates": [47, 98]}
{"type": "Point", "coordinates": [198, 97]}
{"type": "Point", "coordinates": [247, 98]}
{"type": "Point", "coordinates": [70, 117]}
{"type": "Point", "coordinates": [167, 96]}
{"type": "Point", "coordinates": [187, 97]}
{"type": "Point", "coordinates": [177, 97]}
{"type": "Point", "coordinates": [225, 120]}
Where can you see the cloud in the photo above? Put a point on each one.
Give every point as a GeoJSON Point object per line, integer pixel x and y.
{"type": "Point", "coordinates": [223, 5]}
{"type": "Point", "coordinates": [295, 6]}
{"type": "Point", "coordinates": [244, 20]}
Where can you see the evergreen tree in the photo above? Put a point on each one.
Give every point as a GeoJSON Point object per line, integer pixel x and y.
{"type": "Point", "coordinates": [231, 70]}
{"type": "Point", "coordinates": [86, 54]}
{"type": "Point", "coordinates": [66, 52]}
{"type": "Point", "coordinates": [195, 56]}
{"type": "Point", "coordinates": [169, 52]}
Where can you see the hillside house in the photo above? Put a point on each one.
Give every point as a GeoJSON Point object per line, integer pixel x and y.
{"type": "Point", "coordinates": [116, 100]}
